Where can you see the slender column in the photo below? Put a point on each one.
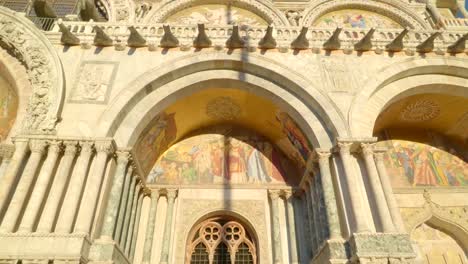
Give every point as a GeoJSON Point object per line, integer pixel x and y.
{"type": "Point", "coordinates": [123, 212]}
{"type": "Point", "coordinates": [310, 213]}
{"type": "Point", "coordinates": [75, 188]}
{"type": "Point", "coordinates": [461, 7]}
{"type": "Point", "coordinates": [289, 199]}
{"type": "Point", "coordinates": [387, 189]}
{"type": "Point", "coordinates": [6, 153]}
{"type": "Point", "coordinates": [171, 195]}
{"type": "Point", "coordinates": [129, 236]}
{"type": "Point", "coordinates": [11, 172]}
{"type": "Point", "coordinates": [40, 188]}
{"type": "Point", "coordinates": [353, 189]}
{"type": "Point", "coordinates": [148, 246]}
{"type": "Point", "coordinates": [136, 225]}
{"type": "Point", "coordinates": [128, 209]}
{"type": "Point", "coordinates": [274, 196]}
{"type": "Point", "coordinates": [306, 225]}
{"type": "Point", "coordinates": [331, 209]}
{"type": "Point", "coordinates": [384, 215]}
{"type": "Point", "coordinates": [431, 5]}
{"type": "Point", "coordinates": [90, 197]}
{"type": "Point", "coordinates": [316, 217]}
{"type": "Point", "coordinates": [24, 186]}
{"type": "Point", "coordinates": [117, 185]}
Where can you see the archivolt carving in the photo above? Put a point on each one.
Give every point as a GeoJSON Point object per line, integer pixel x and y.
{"type": "Point", "coordinates": [121, 10]}
{"type": "Point", "coordinates": [21, 38]}
{"type": "Point", "coordinates": [456, 217]}
{"type": "Point", "coordinates": [397, 12]}
{"type": "Point", "coordinates": [263, 9]}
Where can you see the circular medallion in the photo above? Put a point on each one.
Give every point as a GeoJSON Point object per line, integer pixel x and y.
{"type": "Point", "coordinates": [419, 111]}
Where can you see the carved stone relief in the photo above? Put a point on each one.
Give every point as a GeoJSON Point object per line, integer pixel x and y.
{"type": "Point", "coordinates": [192, 211]}
{"type": "Point", "coordinates": [94, 82]}
{"type": "Point", "coordinates": [43, 68]}
{"type": "Point", "coordinates": [338, 75]}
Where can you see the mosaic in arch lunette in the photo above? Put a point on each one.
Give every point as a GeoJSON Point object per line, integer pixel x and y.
{"type": "Point", "coordinates": [224, 155]}
{"type": "Point", "coordinates": [8, 108]}
{"type": "Point", "coordinates": [216, 15]}
{"type": "Point", "coordinates": [355, 18]}
{"type": "Point", "coordinates": [412, 164]}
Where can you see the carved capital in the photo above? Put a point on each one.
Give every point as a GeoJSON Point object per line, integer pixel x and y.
{"type": "Point", "coordinates": [123, 156]}
{"type": "Point", "coordinates": [86, 147]}
{"type": "Point", "coordinates": [367, 149]}
{"type": "Point", "coordinates": [274, 194]}
{"type": "Point", "coordinates": [37, 146]}
{"type": "Point", "coordinates": [287, 194]}
{"type": "Point", "coordinates": [104, 146]}
{"type": "Point", "coordinates": [54, 146]}
{"type": "Point", "coordinates": [379, 156]}
{"type": "Point", "coordinates": [345, 147]}
{"type": "Point", "coordinates": [171, 194]}
{"type": "Point", "coordinates": [322, 154]}
{"type": "Point", "coordinates": [70, 148]}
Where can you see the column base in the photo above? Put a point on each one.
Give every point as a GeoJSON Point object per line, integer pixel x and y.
{"type": "Point", "coordinates": [381, 248]}
{"type": "Point", "coordinates": [35, 248]}
{"type": "Point", "coordinates": [107, 252]}
{"type": "Point", "coordinates": [332, 252]}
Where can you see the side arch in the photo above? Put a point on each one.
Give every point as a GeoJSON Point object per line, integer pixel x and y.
{"type": "Point", "coordinates": [263, 8]}
{"type": "Point", "coordinates": [137, 102]}
{"type": "Point", "coordinates": [391, 9]}
{"type": "Point", "coordinates": [20, 37]}
{"type": "Point", "coordinates": [435, 75]}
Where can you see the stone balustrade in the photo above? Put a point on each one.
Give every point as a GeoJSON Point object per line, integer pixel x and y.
{"type": "Point", "coordinates": [150, 35]}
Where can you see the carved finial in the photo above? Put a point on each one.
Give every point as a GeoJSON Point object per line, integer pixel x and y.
{"type": "Point", "coordinates": [135, 39]}
{"type": "Point", "coordinates": [333, 43]}
{"type": "Point", "coordinates": [365, 43]}
{"type": "Point", "coordinates": [459, 46]}
{"type": "Point", "coordinates": [428, 44]}
{"type": "Point", "coordinates": [101, 38]}
{"type": "Point", "coordinates": [68, 38]}
{"type": "Point", "coordinates": [397, 43]}
{"type": "Point", "coordinates": [202, 40]}
{"type": "Point", "coordinates": [301, 42]}
{"type": "Point", "coordinates": [168, 40]}
{"type": "Point", "coordinates": [235, 41]}
{"type": "Point", "coordinates": [268, 41]}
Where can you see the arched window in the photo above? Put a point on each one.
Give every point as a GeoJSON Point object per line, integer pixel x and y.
{"type": "Point", "coordinates": [221, 241]}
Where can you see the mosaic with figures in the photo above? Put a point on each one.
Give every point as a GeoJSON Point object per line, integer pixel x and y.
{"type": "Point", "coordinates": [355, 18]}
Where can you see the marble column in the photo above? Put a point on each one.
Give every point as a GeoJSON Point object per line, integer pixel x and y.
{"type": "Point", "coordinates": [382, 209]}
{"type": "Point", "coordinates": [115, 195]}
{"type": "Point", "coordinates": [75, 189]}
{"type": "Point", "coordinates": [310, 213]}
{"type": "Point", "coordinates": [329, 197]}
{"type": "Point", "coordinates": [124, 203]}
{"type": "Point", "coordinates": [352, 184]}
{"type": "Point", "coordinates": [8, 179]}
{"type": "Point", "coordinates": [128, 209]}
{"type": "Point", "coordinates": [10, 220]}
{"type": "Point", "coordinates": [171, 195]}
{"type": "Point", "coordinates": [289, 199]}
{"type": "Point", "coordinates": [316, 214]}
{"type": "Point", "coordinates": [136, 195]}
{"type": "Point", "coordinates": [136, 225]}
{"type": "Point", "coordinates": [40, 188]}
{"type": "Point", "coordinates": [93, 186]}
{"type": "Point", "coordinates": [277, 256]}
{"type": "Point", "coordinates": [148, 246]}
{"type": "Point", "coordinates": [389, 196]}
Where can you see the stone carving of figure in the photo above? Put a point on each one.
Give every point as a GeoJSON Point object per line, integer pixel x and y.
{"type": "Point", "coordinates": [294, 17]}
{"type": "Point", "coordinates": [142, 10]}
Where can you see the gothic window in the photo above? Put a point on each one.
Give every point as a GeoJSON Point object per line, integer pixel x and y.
{"type": "Point", "coordinates": [221, 241]}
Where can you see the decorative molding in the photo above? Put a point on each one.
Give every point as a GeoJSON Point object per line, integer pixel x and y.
{"type": "Point", "coordinates": [43, 67]}
{"type": "Point", "coordinates": [390, 9]}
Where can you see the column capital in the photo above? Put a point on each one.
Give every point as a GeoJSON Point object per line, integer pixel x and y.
{"type": "Point", "coordinates": [344, 147]}
{"type": "Point", "coordinates": [106, 146]}
{"type": "Point", "coordinates": [274, 194]}
{"type": "Point", "coordinates": [55, 146]}
{"type": "Point", "coordinates": [287, 194]}
{"type": "Point", "coordinates": [86, 146]}
{"type": "Point", "coordinates": [7, 150]}
{"type": "Point", "coordinates": [37, 146]}
{"type": "Point", "coordinates": [123, 156]}
{"type": "Point", "coordinates": [70, 147]}
{"type": "Point", "coordinates": [171, 193]}
{"type": "Point", "coordinates": [367, 148]}
{"type": "Point", "coordinates": [321, 154]}
{"type": "Point", "coordinates": [348, 145]}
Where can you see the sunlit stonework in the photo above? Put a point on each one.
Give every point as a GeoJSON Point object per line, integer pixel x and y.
{"type": "Point", "coordinates": [206, 132]}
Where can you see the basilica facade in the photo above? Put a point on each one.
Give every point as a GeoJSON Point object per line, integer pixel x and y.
{"type": "Point", "coordinates": [246, 131]}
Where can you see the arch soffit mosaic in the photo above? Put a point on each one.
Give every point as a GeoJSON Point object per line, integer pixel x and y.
{"type": "Point", "coordinates": [390, 9]}
{"type": "Point", "coordinates": [301, 90]}
{"type": "Point", "coordinates": [263, 9]}
{"type": "Point", "coordinates": [414, 76]}
{"type": "Point", "coordinates": [43, 68]}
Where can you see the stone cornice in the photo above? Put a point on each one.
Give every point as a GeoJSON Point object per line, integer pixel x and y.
{"type": "Point", "coordinates": [347, 40]}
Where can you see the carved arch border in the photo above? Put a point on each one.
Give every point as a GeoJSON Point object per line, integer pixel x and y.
{"type": "Point", "coordinates": [262, 8]}
{"type": "Point", "coordinates": [29, 45]}
{"type": "Point", "coordinates": [395, 11]}
{"type": "Point", "coordinates": [453, 220]}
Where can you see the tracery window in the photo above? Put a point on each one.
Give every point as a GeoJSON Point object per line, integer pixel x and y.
{"type": "Point", "coordinates": [221, 241]}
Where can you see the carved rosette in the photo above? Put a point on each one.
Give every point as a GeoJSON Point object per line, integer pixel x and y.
{"type": "Point", "coordinates": [29, 46]}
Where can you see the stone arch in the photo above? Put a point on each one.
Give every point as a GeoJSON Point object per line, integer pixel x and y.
{"type": "Point", "coordinates": [391, 9]}
{"type": "Point", "coordinates": [134, 107]}
{"type": "Point", "coordinates": [21, 38]}
{"type": "Point", "coordinates": [416, 76]}
{"type": "Point", "coordinates": [263, 9]}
